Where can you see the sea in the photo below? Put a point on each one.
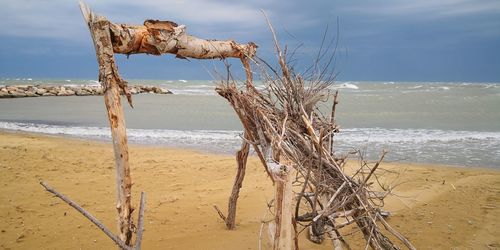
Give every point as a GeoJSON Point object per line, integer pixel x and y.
{"type": "Point", "coordinates": [450, 123]}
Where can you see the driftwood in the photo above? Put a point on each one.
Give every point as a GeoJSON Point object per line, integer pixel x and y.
{"type": "Point", "coordinates": [161, 37]}
{"type": "Point", "coordinates": [99, 224]}
{"type": "Point", "coordinates": [241, 158]}
{"type": "Point", "coordinates": [157, 37]}
{"type": "Point", "coordinates": [140, 221]}
{"type": "Point", "coordinates": [154, 37]}
{"type": "Point", "coordinates": [284, 232]}
{"type": "Point", "coordinates": [284, 125]}
{"type": "Point", "coordinates": [112, 83]}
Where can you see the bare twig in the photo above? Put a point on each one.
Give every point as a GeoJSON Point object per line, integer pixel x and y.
{"type": "Point", "coordinates": [221, 214]}
{"type": "Point", "coordinates": [87, 215]}
{"type": "Point", "coordinates": [140, 223]}
{"type": "Point", "coordinates": [285, 125]}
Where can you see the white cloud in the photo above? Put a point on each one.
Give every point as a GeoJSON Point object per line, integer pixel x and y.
{"type": "Point", "coordinates": [61, 19]}
{"type": "Point", "coordinates": [448, 21]}
{"type": "Point", "coordinates": [31, 18]}
{"type": "Point", "coordinates": [203, 11]}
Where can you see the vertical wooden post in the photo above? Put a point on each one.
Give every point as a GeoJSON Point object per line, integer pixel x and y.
{"type": "Point", "coordinates": [111, 82]}
{"type": "Point", "coordinates": [284, 234]}
{"type": "Point", "coordinates": [241, 158]}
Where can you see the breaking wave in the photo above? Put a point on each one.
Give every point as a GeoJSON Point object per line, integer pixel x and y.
{"type": "Point", "coordinates": [470, 148]}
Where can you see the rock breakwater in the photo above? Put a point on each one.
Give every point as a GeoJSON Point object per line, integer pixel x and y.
{"type": "Point", "coordinates": [16, 91]}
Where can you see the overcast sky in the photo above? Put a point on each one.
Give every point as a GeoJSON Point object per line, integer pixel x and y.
{"type": "Point", "coordinates": [385, 40]}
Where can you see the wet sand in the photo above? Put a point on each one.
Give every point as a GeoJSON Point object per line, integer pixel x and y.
{"type": "Point", "coordinates": [437, 207]}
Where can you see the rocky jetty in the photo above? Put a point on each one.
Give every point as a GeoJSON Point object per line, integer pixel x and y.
{"type": "Point", "coordinates": [15, 91]}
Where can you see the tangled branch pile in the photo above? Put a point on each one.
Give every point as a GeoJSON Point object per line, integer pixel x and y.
{"type": "Point", "coordinates": [289, 133]}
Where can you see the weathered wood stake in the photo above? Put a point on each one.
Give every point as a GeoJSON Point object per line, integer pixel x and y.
{"type": "Point", "coordinates": [108, 76]}
{"type": "Point", "coordinates": [153, 37]}
{"type": "Point", "coordinates": [284, 235]}
{"type": "Point", "coordinates": [241, 158]}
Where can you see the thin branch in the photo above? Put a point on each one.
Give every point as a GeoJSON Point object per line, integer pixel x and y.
{"type": "Point", "coordinates": [140, 223]}
{"type": "Point", "coordinates": [221, 214]}
{"type": "Point", "coordinates": [89, 216]}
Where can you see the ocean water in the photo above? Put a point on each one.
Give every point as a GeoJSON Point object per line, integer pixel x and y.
{"type": "Point", "coordinates": [453, 123]}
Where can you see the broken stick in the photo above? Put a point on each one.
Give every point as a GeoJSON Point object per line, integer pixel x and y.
{"type": "Point", "coordinates": [87, 215]}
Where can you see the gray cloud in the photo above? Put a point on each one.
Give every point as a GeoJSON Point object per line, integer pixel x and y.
{"type": "Point", "coordinates": [61, 19]}
{"type": "Point", "coordinates": [409, 32]}
{"type": "Point", "coordinates": [424, 9]}
{"type": "Point", "coordinates": [32, 18]}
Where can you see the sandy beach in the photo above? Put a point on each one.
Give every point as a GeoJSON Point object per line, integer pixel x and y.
{"type": "Point", "coordinates": [436, 207]}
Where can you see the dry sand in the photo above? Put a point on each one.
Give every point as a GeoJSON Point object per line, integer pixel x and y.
{"type": "Point", "coordinates": [439, 207]}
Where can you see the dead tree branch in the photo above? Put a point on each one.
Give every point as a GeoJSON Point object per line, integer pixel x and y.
{"type": "Point", "coordinates": [112, 83]}
{"type": "Point", "coordinates": [156, 38]}
{"type": "Point", "coordinates": [87, 215]}
{"type": "Point", "coordinates": [140, 222]}
{"type": "Point", "coordinates": [288, 130]}
{"type": "Point", "coordinates": [241, 158]}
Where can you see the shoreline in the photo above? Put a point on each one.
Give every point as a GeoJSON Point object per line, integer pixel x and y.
{"type": "Point", "coordinates": [108, 142]}
{"type": "Point", "coordinates": [438, 206]}
{"type": "Point", "coordinates": [201, 150]}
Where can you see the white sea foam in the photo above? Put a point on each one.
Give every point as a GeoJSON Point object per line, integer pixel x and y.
{"type": "Point", "coordinates": [488, 86]}
{"type": "Point", "coordinates": [382, 135]}
{"type": "Point", "coordinates": [192, 91]}
{"type": "Point", "coordinates": [346, 85]}
{"type": "Point", "coordinates": [472, 148]}
{"type": "Point", "coordinates": [355, 135]}
{"type": "Point", "coordinates": [464, 148]}
{"type": "Point", "coordinates": [191, 138]}
{"type": "Point", "coordinates": [181, 80]}
{"type": "Point", "coordinates": [416, 87]}
{"type": "Point", "coordinates": [379, 135]}
{"type": "Point", "coordinates": [200, 86]}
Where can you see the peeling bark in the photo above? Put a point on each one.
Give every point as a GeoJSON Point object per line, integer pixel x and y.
{"type": "Point", "coordinates": [156, 38]}
{"type": "Point", "coordinates": [166, 37]}
{"type": "Point", "coordinates": [112, 83]}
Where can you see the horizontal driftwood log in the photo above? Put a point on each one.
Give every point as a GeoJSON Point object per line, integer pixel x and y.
{"type": "Point", "coordinates": [166, 37]}
{"type": "Point", "coordinates": [156, 38]}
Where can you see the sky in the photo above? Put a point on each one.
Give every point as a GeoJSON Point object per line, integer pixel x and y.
{"type": "Point", "coordinates": [384, 40]}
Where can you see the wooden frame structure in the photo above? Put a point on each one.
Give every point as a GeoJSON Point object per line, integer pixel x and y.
{"type": "Point", "coordinates": [156, 38]}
